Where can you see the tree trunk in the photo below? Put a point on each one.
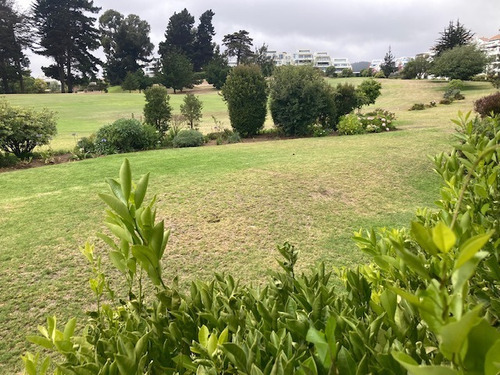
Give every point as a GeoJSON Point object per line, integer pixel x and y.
{"type": "Point", "coordinates": [61, 77]}
{"type": "Point", "coordinates": [19, 69]}
{"type": "Point", "coordinates": [5, 78]}
{"type": "Point", "coordinates": [69, 79]}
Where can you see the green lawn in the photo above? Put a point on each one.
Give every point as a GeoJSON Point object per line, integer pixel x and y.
{"type": "Point", "coordinates": [228, 206]}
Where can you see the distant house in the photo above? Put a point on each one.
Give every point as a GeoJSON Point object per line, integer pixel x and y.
{"type": "Point", "coordinates": [303, 57]}
{"type": "Point", "coordinates": [341, 63]}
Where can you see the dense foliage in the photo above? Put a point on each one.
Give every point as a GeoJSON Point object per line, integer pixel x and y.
{"type": "Point", "coordinates": [245, 93]}
{"type": "Point", "coordinates": [177, 71]}
{"type": "Point", "coordinates": [298, 97]}
{"type": "Point", "coordinates": [191, 109]}
{"type": "Point", "coordinates": [488, 105]}
{"type": "Point", "coordinates": [126, 44]}
{"type": "Point", "coordinates": [417, 307]}
{"type": "Point", "coordinates": [157, 110]}
{"type": "Point", "coordinates": [428, 304]}
{"type": "Point", "coordinates": [22, 129]}
{"type": "Point", "coordinates": [462, 62]}
{"type": "Point", "coordinates": [125, 135]}
{"type": "Point", "coordinates": [239, 44]}
{"type": "Point", "coordinates": [188, 138]}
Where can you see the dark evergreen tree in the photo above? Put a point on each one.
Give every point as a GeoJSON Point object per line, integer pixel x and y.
{"type": "Point", "coordinates": [203, 45]}
{"type": "Point", "coordinates": [389, 64]}
{"type": "Point", "coordinates": [67, 34]}
{"type": "Point", "coordinates": [126, 44]}
{"type": "Point", "coordinates": [263, 60]}
{"type": "Point", "coordinates": [217, 70]}
{"type": "Point", "coordinates": [453, 36]}
{"type": "Point", "coordinates": [239, 44]}
{"type": "Point", "coordinates": [14, 38]}
{"type": "Point", "coordinates": [179, 36]}
{"type": "Point", "coordinates": [177, 71]}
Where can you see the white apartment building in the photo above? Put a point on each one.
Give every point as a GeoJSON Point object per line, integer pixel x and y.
{"type": "Point", "coordinates": [341, 63]}
{"type": "Point", "coordinates": [280, 58]}
{"type": "Point", "coordinates": [322, 60]}
{"type": "Point", "coordinates": [492, 48]}
{"type": "Point", "coordinates": [303, 57]}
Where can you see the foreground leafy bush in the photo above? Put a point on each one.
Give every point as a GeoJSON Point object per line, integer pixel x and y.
{"type": "Point", "coordinates": [8, 160]}
{"type": "Point", "coordinates": [22, 129]}
{"type": "Point", "coordinates": [488, 105]}
{"type": "Point", "coordinates": [418, 308]}
{"type": "Point", "coordinates": [188, 138]}
{"type": "Point", "coordinates": [125, 135]}
{"type": "Point", "coordinates": [245, 92]}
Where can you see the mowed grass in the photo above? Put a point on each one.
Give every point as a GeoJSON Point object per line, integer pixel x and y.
{"type": "Point", "coordinates": [227, 206]}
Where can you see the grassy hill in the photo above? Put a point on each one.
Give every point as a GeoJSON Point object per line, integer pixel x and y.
{"type": "Point", "coordinates": [228, 206]}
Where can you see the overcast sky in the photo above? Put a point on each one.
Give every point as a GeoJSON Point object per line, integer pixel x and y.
{"type": "Point", "coordinates": [361, 30]}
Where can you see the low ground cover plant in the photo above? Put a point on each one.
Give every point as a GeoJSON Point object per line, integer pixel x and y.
{"type": "Point", "coordinates": [375, 121]}
{"type": "Point", "coordinates": [428, 303]}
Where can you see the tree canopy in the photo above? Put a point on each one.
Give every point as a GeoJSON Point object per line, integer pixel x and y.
{"type": "Point", "coordinates": [177, 71]}
{"type": "Point", "coordinates": [179, 36]}
{"type": "Point", "coordinates": [66, 33]}
{"type": "Point", "coordinates": [453, 36]}
{"type": "Point", "coordinates": [239, 44]}
{"type": "Point", "coordinates": [462, 62]}
{"type": "Point", "coordinates": [203, 44]}
{"type": "Point", "coordinates": [126, 44]}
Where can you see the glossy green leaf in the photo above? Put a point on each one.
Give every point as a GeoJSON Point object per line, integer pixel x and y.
{"type": "Point", "coordinates": [212, 344]}
{"type": "Point", "coordinates": [41, 341]}
{"type": "Point", "coordinates": [492, 362]}
{"type": "Point", "coordinates": [443, 237]}
{"type": "Point", "coordinates": [121, 233]}
{"type": "Point", "coordinates": [116, 205]}
{"type": "Point", "coordinates": [471, 247]}
{"type": "Point", "coordinates": [116, 189]}
{"type": "Point", "coordinates": [321, 345]}
{"type": "Point", "coordinates": [424, 237]}
{"type": "Point", "coordinates": [236, 355]}
{"type": "Point", "coordinates": [414, 369]}
{"type": "Point", "coordinates": [126, 179]}
{"type": "Point", "coordinates": [203, 334]}
{"type": "Point", "coordinates": [224, 336]}
{"type": "Point", "coordinates": [345, 363]}
{"type": "Point", "coordinates": [453, 336]}
{"type": "Point", "coordinates": [69, 329]}
{"type": "Point", "coordinates": [140, 190]}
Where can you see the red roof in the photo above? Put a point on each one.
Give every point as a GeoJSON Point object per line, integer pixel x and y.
{"type": "Point", "coordinates": [496, 37]}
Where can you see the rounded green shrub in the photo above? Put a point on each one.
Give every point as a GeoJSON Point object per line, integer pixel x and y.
{"type": "Point", "coordinates": [22, 129]}
{"type": "Point", "coordinates": [245, 92]}
{"type": "Point", "coordinates": [125, 135]}
{"type": "Point", "coordinates": [349, 125]}
{"type": "Point", "coordinates": [188, 138]}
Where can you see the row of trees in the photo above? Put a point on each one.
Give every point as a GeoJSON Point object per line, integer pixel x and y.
{"type": "Point", "coordinates": [67, 32]}
{"type": "Point", "coordinates": [455, 56]}
{"type": "Point", "coordinates": [299, 99]}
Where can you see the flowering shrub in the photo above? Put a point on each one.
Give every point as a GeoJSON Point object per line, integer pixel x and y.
{"type": "Point", "coordinates": [350, 124]}
{"type": "Point", "coordinates": [377, 121]}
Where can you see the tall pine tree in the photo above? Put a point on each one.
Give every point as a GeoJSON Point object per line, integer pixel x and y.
{"type": "Point", "coordinates": [14, 38]}
{"type": "Point", "coordinates": [389, 64]}
{"type": "Point", "coordinates": [179, 36]}
{"type": "Point", "coordinates": [203, 45]}
{"type": "Point", "coordinates": [453, 36]}
{"type": "Point", "coordinates": [67, 35]}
